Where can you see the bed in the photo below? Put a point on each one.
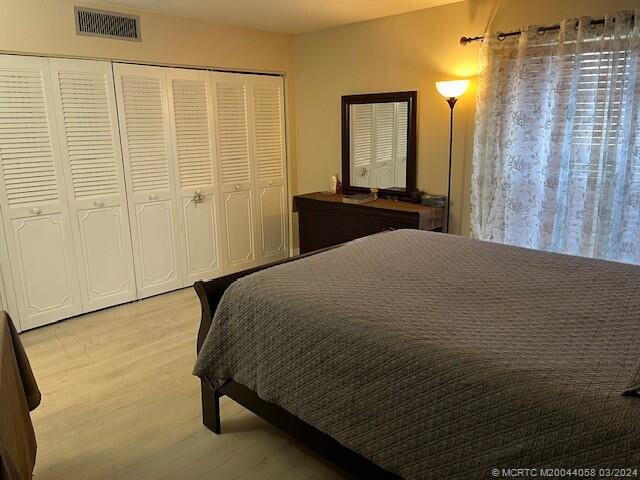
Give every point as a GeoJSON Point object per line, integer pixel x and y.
{"type": "Point", "coordinates": [418, 355]}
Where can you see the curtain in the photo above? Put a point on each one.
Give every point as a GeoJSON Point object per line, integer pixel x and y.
{"type": "Point", "coordinates": [556, 163]}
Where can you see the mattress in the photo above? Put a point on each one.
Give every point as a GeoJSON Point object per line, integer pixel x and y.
{"type": "Point", "coordinates": [438, 356]}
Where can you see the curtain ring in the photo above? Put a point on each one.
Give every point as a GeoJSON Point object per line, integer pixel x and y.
{"type": "Point", "coordinates": [501, 36]}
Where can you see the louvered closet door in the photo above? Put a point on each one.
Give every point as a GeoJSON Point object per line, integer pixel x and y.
{"type": "Point", "coordinates": [3, 301]}
{"type": "Point", "coordinates": [191, 109]}
{"type": "Point", "coordinates": [32, 195]}
{"type": "Point", "coordinates": [4, 268]}
{"type": "Point", "coordinates": [361, 116]}
{"type": "Point", "coordinates": [401, 124]}
{"type": "Point", "coordinates": [9, 299]}
{"type": "Point", "coordinates": [141, 93]}
{"type": "Point", "coordinates": [232, 138]}
{"type": "Point", "coordinates": [269, 165]}
{"type": "Point", "coordinates": [384, 134]}
{"type": "Point", "coordinates": [90, 144]}
{"type": "Point", "coordinates": [3, 296]}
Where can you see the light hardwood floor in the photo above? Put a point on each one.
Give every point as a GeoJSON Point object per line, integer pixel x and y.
{"type": "Point", "coordinates": [119, 402]}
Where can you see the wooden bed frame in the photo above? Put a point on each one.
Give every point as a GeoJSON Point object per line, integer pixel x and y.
{"type": "Point", "coordinates": [210, 294]}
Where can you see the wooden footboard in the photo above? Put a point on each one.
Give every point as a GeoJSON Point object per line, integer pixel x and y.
{"type": "Point", "coordinates": [210, 294]}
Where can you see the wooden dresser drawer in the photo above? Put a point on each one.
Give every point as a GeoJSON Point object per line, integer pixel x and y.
{"type": "Point", "coordinates": [324, 220]}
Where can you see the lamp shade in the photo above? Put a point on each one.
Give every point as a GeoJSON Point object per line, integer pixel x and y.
{"type": "Point", "coordinates": [452, 88]}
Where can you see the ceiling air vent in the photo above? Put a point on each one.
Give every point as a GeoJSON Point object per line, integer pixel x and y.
{"type": "Point", "coordinates": [98, 23]}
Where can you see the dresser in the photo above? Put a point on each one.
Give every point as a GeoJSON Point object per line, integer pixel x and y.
{"type": "Point", "coordinates": [325, 220]}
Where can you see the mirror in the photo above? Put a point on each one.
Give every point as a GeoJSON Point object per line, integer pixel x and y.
{"type": "Point", "coordinates": [379, 143]}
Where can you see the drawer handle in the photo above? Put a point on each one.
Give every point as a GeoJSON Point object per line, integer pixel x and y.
{"type": "Point", "coordinates": [271, 183]}
{"type": "Point", "coordinates": [237, 187]}
{"type": "Point", "coordinates": [98, 203]}
{"type": "Point", "coordinates": [36, 211]}
{"type": "Point", "coordinates": [153, 196]}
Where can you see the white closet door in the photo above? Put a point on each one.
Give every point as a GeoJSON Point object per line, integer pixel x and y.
{"type": "Point", "coordinates": [146, 144]}
{"type": "Point", "coordinates": [32, 195]}
{"type": "Point", "coordinates": [7, 290]}
{"type": "Point", "coordinates": [3, 296]}
{"type": "Point", "coordinates": [191, 110]}
{"type": "Point", "coordinates": [401, 124]}
{"type": "Point", "coordinates": [90, 143]}
{"type": "Point", "coordinates": [269, 155]}
{"type": "Point", "coordinates": [383, 161]}
{"type": "Point", "coordinates": [232, 137]}
{"type": "Point", "coordinates": [361, 161]}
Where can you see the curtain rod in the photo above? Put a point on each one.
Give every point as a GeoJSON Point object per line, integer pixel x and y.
{"type": "Point", "coordinates": [501, 36]}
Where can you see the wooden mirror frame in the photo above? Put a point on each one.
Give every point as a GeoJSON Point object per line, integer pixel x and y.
{"type": "Point", "coordinates": [411, 99]}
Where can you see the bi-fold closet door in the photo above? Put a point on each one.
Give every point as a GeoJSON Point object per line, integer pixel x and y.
{"type": "Point", "coordinates": [61, 188]}
{"type": "Point", "coordinates": [92, 165]}
{"type": "Point", "coordinates": [251, 148]}
{"type": "Point", "coordinates": [204, 158]}
{"type": "Point", "coordinates": [166, 122]}
{"type": "Point", "coordinates": [115, 191]}
{"type": "Point", "coordinates": [33, 195]}
{"type": "Point", "coordinates": [191, 119]}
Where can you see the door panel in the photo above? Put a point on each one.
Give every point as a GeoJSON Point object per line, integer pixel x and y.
{"type": "Point", "coordinates": [143, 115]}
{"type": "Point", "coordinates": [200, 224]}
{"type": "Point", "coordinates": [236, 169]}
{"type": "Point", "coordinates": [383, 175]}
{"type": "Point", "coordinates": [158, 262]}
{"type": "Point", "coordinates": [6, 280]}
{"type": "Point", "coordinates": [107, 263]}
{"type": "Point", "coordinates": [383, 164]}
{"type": "Point", "coordinates": [43, 257]}
{"type": "Point", "coordinates": [401, 144]}
{"type": "Point", "coordinates": [233, 131]}
{"type": "Point", "coordinates": [269, 160]}
{"type": "Point", "coordinates": [401, 172]}
{"type": "Point", "coordinates": [273, 222]}
{"type": "Point", "coordinates": [191, 114]}
{"type": "Point", "coordinates": [361, 118]}
{"type": "Point", "coordinates": [91, 154]}
{"type": "Point", "coordinates": [33, 196]}
{"type": "Point", "coordinates": [240, 238]}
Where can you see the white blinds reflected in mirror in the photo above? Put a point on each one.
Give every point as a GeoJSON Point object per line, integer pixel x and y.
{"type": "Point", "coordinates": [379, 145]}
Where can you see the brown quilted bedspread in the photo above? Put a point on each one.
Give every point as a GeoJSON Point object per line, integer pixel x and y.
{"type": "Point", "coordinates": [442, 357]}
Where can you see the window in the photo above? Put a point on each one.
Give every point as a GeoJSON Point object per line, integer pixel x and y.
{"type": "Point", "coordinates": [557, 148]}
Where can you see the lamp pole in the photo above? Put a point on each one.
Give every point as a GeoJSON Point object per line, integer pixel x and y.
{"type": "Point", "coordinates": [451, 90]}
{"type": "Point", "coordinates": [452, 102]}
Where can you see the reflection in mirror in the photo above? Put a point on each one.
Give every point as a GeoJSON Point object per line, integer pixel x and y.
{"type": "Point", "coordinates": [378, 145]}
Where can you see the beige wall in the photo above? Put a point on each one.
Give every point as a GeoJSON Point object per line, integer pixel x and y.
{"type": "Point", "coordinates": [47, 27]}
{"type": "Point", "coordinates": [403, 52]}
{"type": "Point", "coordinates": [409, 52]}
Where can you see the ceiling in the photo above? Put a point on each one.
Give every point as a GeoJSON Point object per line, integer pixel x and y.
{"type": "Point", "coordinates": [286, 16]}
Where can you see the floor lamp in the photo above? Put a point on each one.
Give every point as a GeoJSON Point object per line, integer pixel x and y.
{"type": "Point", "coordinates": [451, 90]}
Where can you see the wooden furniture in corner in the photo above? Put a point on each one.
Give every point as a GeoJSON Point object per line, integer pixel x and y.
{"type": "Point", "coordinates": [324, 220]}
